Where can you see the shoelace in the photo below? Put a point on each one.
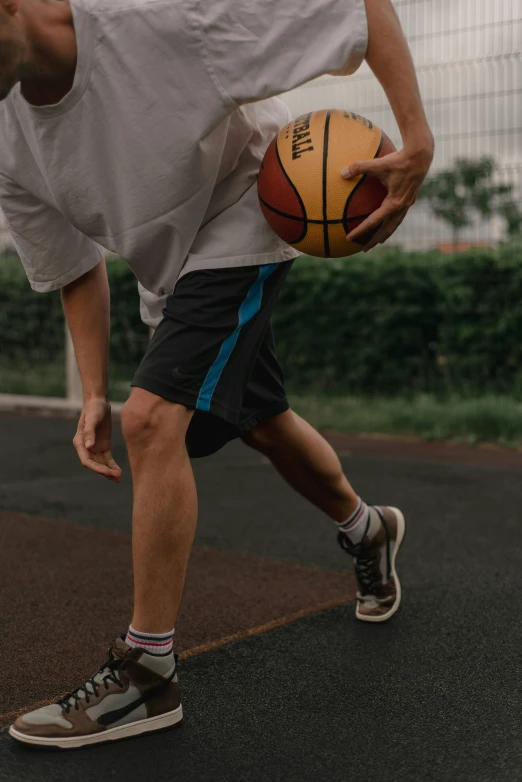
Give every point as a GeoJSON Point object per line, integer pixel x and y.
{"type": "Point", "coordinates": [366, 576]}
{"type": "Point", "coordinates": [364, 565]}
{"type": "Point", "coordinates": [107, 673]}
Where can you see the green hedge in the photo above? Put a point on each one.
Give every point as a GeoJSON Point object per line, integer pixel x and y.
{"type": "Point", "coordinates": [395, 322]}
{"type": "Point", "coordinates": [32, 324]}
{"type": "Point", "coordinates": [387, 323]}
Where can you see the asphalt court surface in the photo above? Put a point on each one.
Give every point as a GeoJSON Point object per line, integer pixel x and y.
{"type": "Point", "coordinates": [432, 695]}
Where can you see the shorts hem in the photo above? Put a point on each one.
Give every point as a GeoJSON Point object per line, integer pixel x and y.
{"type": "Point", "coordinates": [182, 398]}
{"type": "Point", "coordinates": [164, 391]}
{"type": "Point", "coordinates": [263, 415]}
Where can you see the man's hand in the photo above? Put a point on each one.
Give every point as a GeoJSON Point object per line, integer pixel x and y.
{"type": "Point", "coordinates": [93, 439]}
{"type": "Point", "coordinates": [403, 173]}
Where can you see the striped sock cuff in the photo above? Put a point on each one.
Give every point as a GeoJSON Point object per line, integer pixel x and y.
{"type": "Point", "coordinates": [359, 513]}
{"type": "Point", "coordinates": [152, 643]}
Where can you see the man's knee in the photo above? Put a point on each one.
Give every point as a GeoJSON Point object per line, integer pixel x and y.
{"type": "Point", "coordinates": [265, 436]}
{"type": "Point", "coordinates": [146, 418]}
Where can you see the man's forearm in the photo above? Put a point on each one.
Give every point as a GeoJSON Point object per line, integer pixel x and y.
{"type": "Point", "coordinates": [86, 303]}
{"type": "Point", "coordinates": [389, 58]}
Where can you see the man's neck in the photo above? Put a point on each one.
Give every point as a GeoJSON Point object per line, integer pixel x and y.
{"type": "Point", "coordinates": [51, 65]}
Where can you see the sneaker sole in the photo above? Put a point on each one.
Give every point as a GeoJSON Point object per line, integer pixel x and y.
{"type": "Point", "coordinates": [169, 720]}
{"type": "Point", "coordinates": [401, 532]}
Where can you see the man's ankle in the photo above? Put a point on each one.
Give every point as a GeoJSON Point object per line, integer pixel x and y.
{"type": "Point", "coordinates": [364, 522]}
{"type": "Point", "coordinates": [152, 643]}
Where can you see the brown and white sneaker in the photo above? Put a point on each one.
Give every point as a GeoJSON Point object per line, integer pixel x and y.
{"type": "Point", "coordinates": [379, 594]}
{"type": "Point", "coordinates": [132, 693]}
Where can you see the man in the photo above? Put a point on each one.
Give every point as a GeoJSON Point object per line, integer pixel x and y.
{"type": "Point", "coordinates": [140, 126]}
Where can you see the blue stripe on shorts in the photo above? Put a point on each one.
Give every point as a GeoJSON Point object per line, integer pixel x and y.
{"type": "Point", "coordinates": [249, 308]}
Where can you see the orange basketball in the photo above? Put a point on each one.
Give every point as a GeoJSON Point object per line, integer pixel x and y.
{"type": "Point", "coordinates": [301, 191]}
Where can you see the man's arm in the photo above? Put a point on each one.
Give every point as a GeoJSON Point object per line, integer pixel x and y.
{"type": "Point", "coordinates": [86, 303]}
{"type": "Point", "coordinates": [277, 46]}
{"type": "Point", "coordinates": [403, 172]}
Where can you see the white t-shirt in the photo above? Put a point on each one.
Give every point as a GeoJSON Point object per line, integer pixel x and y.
{"type": "Point", "coordinates": [155, 151]}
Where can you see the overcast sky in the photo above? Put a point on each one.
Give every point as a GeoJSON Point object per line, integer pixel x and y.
{"type": "Point", "coordinates": [468, 55]}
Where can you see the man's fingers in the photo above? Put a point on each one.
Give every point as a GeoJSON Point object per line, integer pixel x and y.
{"type": "Point", "coordinates": [111, 464]}
{"type": "Point", "coordinates": [387, 229]}
{"type": "Point", "coordinates": [89, 429]}
{"type": "Point", "coordinates": [377, 167]}
{"type": "Point", "coordinates": [371, 223]}
{"type": "Point", "coordinates": [89, 461]}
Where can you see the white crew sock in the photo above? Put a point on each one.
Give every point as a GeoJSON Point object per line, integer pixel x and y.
{"type": "Point", "coordinates": [152, 643]}
{"type": "Point", "coordinates": [364, 520]}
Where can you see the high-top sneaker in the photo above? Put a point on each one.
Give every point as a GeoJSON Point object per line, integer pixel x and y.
{"type": "Point", "coordinates": [132, 693]}
{"type": "Point", "coordinates": [379, 594]}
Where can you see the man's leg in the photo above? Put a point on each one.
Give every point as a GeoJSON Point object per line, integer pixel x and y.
{"type": "Point", "coordinates": [372, 536]}
{"type": "Point", "coordinates": [137, 689]}
{"type": "Point", "coordinates": [307, 462]}
{"type": "Point", "coordinates": [201, 357]}
{"type": "Point", "coordinates": [165, 507]}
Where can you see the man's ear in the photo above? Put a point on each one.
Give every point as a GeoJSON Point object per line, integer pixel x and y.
{"type": "Point", "coordinates": [11, 6]}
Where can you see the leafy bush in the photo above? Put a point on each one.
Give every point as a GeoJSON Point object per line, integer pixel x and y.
{"type": "Point", "coordinates": [394, 323]}
{"type": "Point", "coordinates": [365, 324]}
{"type": "Point", "coordinates": [32, 325]}
{"type": "Point", "coordinates": [388, 323]}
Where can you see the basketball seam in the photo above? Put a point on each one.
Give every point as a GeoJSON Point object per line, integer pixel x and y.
{"type": "Point", "coordinates": [325, 184]}
{"type": "Point", "coordinates": [282, 214]}
{"type": "Point", "coordinates": [381, 144]}
{"type": "Point", "coordinates": [314, 222]}
{"type": "Point", "coordinates": [301, 204]}
{"type": "Point", "coordinates": [357, 186]}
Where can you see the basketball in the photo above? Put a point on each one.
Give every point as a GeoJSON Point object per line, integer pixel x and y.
{"type": "Point", "coordinates": [303, 196]}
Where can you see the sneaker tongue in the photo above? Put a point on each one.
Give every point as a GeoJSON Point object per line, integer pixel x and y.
{"type": "Point", "coordinates": [120, 648]}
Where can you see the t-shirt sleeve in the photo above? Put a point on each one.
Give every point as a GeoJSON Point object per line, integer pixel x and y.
{"type": "Point", "coordinates": [260, 48]}
{"type": "Point", "coordinates": [53, 252]}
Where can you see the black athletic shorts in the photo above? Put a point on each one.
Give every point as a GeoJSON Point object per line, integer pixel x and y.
{"type": "Point", "coordinates": [214, 353]}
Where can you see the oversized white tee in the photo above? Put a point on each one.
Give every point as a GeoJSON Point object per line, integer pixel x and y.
{"type": "Point", "coordinates": [155, 151]}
